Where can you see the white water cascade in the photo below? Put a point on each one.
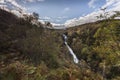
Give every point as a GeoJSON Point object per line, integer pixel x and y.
{"type": "Point", "coordinates": [71, 51]}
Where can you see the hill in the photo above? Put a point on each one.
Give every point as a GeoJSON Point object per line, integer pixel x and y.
{"type": "Point", "coordinates": [32, 52]}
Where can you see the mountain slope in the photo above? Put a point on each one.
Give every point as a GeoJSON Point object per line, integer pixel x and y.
{"type": "Point", "coordinates": [37, 53]}
{"type": "Point", "coordinates": [99, 45]}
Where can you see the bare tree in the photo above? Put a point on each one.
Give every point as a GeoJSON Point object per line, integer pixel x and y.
{"type": "Point", "coordinates": [48, 24]}
{"type": "Point", "coordinates": [35, 15]}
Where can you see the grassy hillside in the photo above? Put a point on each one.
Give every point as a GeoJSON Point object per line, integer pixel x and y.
{"type": "Point", "coordinates": [31, 52]}
{"type": "Point", "coordinates": [99, 45]}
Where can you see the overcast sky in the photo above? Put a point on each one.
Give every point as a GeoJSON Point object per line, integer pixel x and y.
{"type": "Point", "coordinates": [62, 11]}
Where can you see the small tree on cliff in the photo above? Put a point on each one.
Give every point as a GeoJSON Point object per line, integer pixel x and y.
{"type": "Point", "coordinates": [35, 15]}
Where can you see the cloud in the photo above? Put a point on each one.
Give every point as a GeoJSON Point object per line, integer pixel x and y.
{"type": "Point", "coordinates": [40, 0]}
{"type": "Point", "coordinates": [62, 17]}
{"type": "Point", "coordinates": [116, 7]}
{"type": "Point", "coordinates": [92, 17]}
{"type": "Point", "coordinates": [58, 26]}
{"type": "Point", "coordinates": [13, 6]}
{"type": "Point", "coordinates": [14, 3]}
{"type": "Point", "coordinates": [30, 0]}
{"type": "Point", "coordinates": [2, 4]}
{"type": "Point", "coordinates": [112, 5]}
{"type": "Point", "coordinates": [2, 1]}
{"type": "Point", "coordinates": [35, 0]}
{"type": "Point", "coordinates": [82, 20]}
{"type": "Point", "coordinates": [54, 19]}
{"type": "Point", "coordinates": [47, 18]}
{"type": "Point", "coordinates": [110, 2]}
{"type": "Point", "coordinates": [66, 9]}
{"type": "Point", "coordinates": [91, 4]}
{"type": "Point", "coordinates": [59, 19]}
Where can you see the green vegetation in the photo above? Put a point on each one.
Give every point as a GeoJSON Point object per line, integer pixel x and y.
{"type": "Point", "coordinates": [31, 52]}
{"type": "Point", "coordinates": [98, 45]}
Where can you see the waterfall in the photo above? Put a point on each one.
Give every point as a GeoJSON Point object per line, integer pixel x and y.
{"type": "Point", "coordinates": [71, 51]}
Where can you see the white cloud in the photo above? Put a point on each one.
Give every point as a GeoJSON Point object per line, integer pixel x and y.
{"type": "Point", "coordinates": [13, 6]}
{"type": "Point", "coordinates": [67, 9]}
{"type": "Point", "coordinates": [40, 0]}
{"type": "Point", "coordinates": [58, 20]}
{"type": "Point", "coordinates": [62, 17]}
{"type": "Point", "coordinates": [35, 0]}
{"type": "Point", "coordinates": [92, 3]}
{"type": "Point", "coordinates": [46, 18]}
{"type": "Point", "coordinates": [14, 3]}
{"type": "Point", "coordinates": [2, 1]}
{"type": "Point", "coordinates": [58, 26]}
{"type": "Point", "coordinates": [53, 19]}
{"type": "Point", "coordinates": [43, 22]}
{"type": "Point", "coordinates": [2, 4]}
{"type": "Point", "coordinates": [116, 6]}
{"type": "Point", "coordinates": [112, 5]}
{"type": "Point", "coordinates": [30, 0]}
{"type": "Point", "coordinates": [82, 20]}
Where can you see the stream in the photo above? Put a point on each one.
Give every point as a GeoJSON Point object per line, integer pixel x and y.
{"type": "Point", "coordinates": [75, 59]}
